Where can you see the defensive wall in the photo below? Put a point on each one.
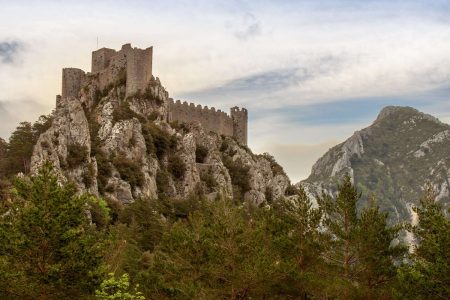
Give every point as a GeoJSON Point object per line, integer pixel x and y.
{"type": "Point", "coordinates": [107, 65]}
{"type": "Point", "coordinates": [234, 125]}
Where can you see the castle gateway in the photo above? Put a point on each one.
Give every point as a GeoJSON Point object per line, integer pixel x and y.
{"type": "Point", "coordinates": [135, 65]}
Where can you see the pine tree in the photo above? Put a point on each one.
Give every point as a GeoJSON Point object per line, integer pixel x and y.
{"type": "Point", "coordinates": [218, 252]}
{"type": "Point", "coordinates": [377, 253]}
{"type": "Point", "coordinates": [20, 148]}
{"type": "Point", "coordinates": [428, 274]}
{"type": "Point", "coordinates": [49, 248]}
{"type": "Point", "coordinates": [341, 222]}
{"type": "Point", "coordinates": [294, 227]}
{"type": "Point", "coordinates": [361, 254]}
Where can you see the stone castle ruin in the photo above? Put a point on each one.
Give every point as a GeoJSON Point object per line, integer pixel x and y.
{"type": "Point", "coordinates": [136, 66]}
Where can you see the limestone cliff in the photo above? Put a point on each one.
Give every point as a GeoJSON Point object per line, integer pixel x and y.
{"type": "Point", "coordinates": [392, 159]}
{"type": "Point", "coordinates": [122, 147]}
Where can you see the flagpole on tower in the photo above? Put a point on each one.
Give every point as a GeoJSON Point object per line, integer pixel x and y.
{"type": "Point", "coordinates": [97, 42]}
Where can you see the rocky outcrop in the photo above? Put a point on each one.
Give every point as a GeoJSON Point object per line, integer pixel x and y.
{"type": "Point", "coordinates": [392, 160]}
{"type": "Point", "coordinates": [123, 148]}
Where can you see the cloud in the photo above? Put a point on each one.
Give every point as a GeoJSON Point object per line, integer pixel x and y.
{"type": "Point", "coordinates": [250, 27]}
{"type": "Point", "coordinates": [9, 51]}
{"type": "Point", "coordinates": [19, 110]}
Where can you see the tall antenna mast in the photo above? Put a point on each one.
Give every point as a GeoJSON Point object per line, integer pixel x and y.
{"type": "Point", "coordinates": [97, 42]}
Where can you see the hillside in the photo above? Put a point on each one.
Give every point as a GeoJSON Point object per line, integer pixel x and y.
{"type": "Point", "coordinates": [122, 147]}
{"type": "Point", "coordinates": [392, 159]}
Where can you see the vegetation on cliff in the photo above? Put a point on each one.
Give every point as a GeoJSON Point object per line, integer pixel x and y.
{"type": "Point", "coordinates": [197, 248]}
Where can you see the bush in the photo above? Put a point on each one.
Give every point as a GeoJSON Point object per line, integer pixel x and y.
{"type": "Point", "coordinates": [162, 141]}
{"type": "Point", "coordinates": [88, 176]}
{"type": "Point", "coordinates": [201, 152]}
{"type": "Point", "coordinates": [129, 170]}
{"type": "Point", "coordinates": [113, 288]}
{"type": "Point", "coordinates": [162, 183]}
{"type": "Point", "coordinates": [76, 155]}
{"type": "Point", "coordinates": [104, 171]}
{"type": "Point", "coordinates": [268, 193]}
{"type": "Point", "coordinates": [124, 112]}
{"type": "Point", "coordinates": [240, 177]}
{"type": "Point", "coordinates": [176, 166]}
{"type": "Point", "coordinates": [291, 190]}
{"type": "Point", "coordinates": [208, 179]}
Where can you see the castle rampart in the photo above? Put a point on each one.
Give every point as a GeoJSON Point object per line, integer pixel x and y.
{"type": "Point", "coordinates": [234, 125]}
{"type": "Point", "coordinates": [107, 65]}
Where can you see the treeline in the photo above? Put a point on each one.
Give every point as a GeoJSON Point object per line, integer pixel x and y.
{"type": "Point", "coordinates": [56, 244]}
{"type": "Point", "coordinates": [15, 155]}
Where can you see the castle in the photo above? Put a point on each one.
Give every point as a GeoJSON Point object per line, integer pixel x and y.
{"type": "Point", "coordinates": [108, 64]}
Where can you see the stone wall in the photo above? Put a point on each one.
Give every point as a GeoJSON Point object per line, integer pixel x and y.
{"type": "Point", "coordinates": [211, 120]}
{"type": "Point", "coordinates": [72, 80]}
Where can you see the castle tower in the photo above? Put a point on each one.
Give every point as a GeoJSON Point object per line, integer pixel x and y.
{"type": "Point", "coordinates": [240, 120]}
{"type": "Point", "coordinates": [139, 69]}
{"type": "Point", "coordinates": [101, 59]}
{"type": "Point", "coordinates": [72, 80]}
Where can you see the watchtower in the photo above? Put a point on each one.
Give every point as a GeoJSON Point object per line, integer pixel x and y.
{"type": "Point", "coordinates": [240, 119]}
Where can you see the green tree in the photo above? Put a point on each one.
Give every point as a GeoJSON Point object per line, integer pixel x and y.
{"type": "Point", "coordinates": [361, 254]}
{"type": "Point", "coordinates": [20, 148]}
{"type": "Point", "coordinates": [49, 248]}
{"type": "Point", "coordinates": [294, 227]}
{"type": "Point", "coordinates": [428, 274]}
{"type": "Point", "coordinates": [218, 252]}
{"type": "Point", "coordinates": [377, 254]}
{"type": "Point", "coordinates": [118, 289]}
{"type": "Point", "coordinates": [341, 222]}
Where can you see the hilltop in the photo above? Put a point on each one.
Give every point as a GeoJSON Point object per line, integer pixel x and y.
{"type": "Point", "coordinates": [115, 132]}
{"type": "Point", "coordinates": [392, 159]}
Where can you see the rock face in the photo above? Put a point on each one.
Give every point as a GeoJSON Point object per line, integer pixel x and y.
{"type": "Point", "coordinates": [123, 148]}
{"type": "Point", "coordinates": [392, 159]}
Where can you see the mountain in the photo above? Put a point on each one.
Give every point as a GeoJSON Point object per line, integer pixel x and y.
{"type": "Point", "coordinates": [123, 147]}
{"type": "Point", "coordinates": [392, 160]}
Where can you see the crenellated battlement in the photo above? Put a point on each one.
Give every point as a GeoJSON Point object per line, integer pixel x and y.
{"type": "Point", "coordinates": [211, 119]}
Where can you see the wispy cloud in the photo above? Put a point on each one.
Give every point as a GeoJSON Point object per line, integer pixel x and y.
{"type": "Point", "coordinates": [9, 50]}
{"type": "Point", "coordinates": [250, 27]}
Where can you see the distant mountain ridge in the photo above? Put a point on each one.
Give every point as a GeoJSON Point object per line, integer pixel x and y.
{"type": "Point", "coordinates": [391, 160]}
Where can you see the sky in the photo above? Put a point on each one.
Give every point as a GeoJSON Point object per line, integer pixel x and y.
{"type": "Point", "coordinates": [310, 72]}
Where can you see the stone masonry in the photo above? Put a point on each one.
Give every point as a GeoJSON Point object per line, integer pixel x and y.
{"type": "Point", "coordinates": [108, 64]}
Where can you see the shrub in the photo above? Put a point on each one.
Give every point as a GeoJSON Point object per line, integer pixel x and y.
{"type": "Point", "coordinates": [162, 140]}
{"type": "Point", "coordinates": [201, 152]}
{"type": "Point", "coordinates": [269, 194]}
{"type": "Point", "coordinates": [76, 155]}
{"type": "Point", "coordinates": [162, 183]}
{"type": "Point", "coordinates": [104, 171]}
{"type": "Point", "coordinates": [274, 166]}
{"type": "Point", "coordinates": [239, 174]}
{"type": "Point", "coordinates": [291, 190]}
{"type": "Point", "coordinates": [124, 112]}
{"type": "Point", "coordinates": [129, 170]}
{"type": "Point", "coordinates": [208, 179]}
{"type": "Point", "coordinates": [88, 176]}
{"type": "Point", "coordinates": [176, 166]}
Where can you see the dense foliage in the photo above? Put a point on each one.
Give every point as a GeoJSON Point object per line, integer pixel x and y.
{"type": "Point", "coordinates": [49, 248]}
{"type": "Point", "coordinates": [58, 245]}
